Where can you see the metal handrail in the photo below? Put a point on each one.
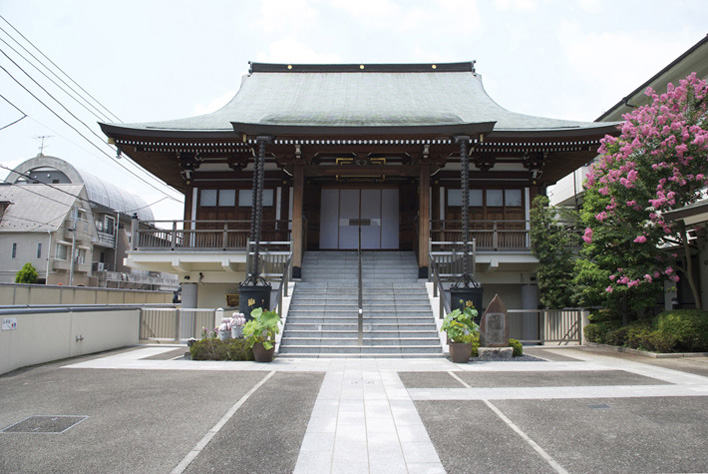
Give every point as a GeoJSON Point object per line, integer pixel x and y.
{"type": "Point", "coordinates": [360, 317]}
{"type": "Point", "coordinates": [283, 290]}
{"type": "Point", "coordinates": [438, 288]}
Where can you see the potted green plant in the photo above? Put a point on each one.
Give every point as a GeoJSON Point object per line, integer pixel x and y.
{"type": "Point", "coordinates": [461, 331]}
{"type": "Point", "coordinates": [260, 333]}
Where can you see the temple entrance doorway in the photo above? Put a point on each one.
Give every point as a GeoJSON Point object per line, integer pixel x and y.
{"type": "Point", "coordinates": [344, 211]}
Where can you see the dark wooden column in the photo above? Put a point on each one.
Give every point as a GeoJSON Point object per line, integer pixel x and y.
{"type": "Point", "coordinates": [423, 220]}
{"type": "Point", "coordinates": [297, 229]}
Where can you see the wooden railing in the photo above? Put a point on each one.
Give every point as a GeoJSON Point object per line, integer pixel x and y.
{"type": "Point", "coordinates": [205, 235]}
{"type": "Point", "coordinates": [489, 235]}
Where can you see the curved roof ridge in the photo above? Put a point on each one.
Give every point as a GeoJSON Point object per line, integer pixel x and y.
{"type": "Point", "coordinates": [98, 190]}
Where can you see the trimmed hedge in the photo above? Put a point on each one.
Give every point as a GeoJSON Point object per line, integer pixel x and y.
{"type": "Point", "coordinates": [216, 349]}
{"type": "Point", "coordinates": [672, 331]}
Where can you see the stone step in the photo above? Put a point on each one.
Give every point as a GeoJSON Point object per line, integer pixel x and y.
{"type": "Point", "coordinates": [335, 349]}
{"type": "Point", "coordinates": [352, 332]}
{"type": "Point", "coordinates": [332, 326]}
{"type": "Point", "coordinates": [353, 341]}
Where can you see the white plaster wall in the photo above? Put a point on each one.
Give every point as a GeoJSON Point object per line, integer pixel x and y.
{"type": "Point", "coordinates": [44, 337]}
{"type": "Point", "coordinates": [213, 295]}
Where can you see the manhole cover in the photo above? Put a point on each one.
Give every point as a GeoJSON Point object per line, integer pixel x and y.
{"type": "Point", "coordinates": [44, 424]}
{"type": "Point", "coordinates": [600, 406]}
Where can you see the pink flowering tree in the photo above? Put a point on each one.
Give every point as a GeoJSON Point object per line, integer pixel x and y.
{"type": "Point", "coordinates": [658, 163]}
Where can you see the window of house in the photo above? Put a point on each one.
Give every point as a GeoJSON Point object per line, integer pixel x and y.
{"type": "Point", "coordinates": [227, 197]}
{"type": "Point", "coordinates": [217, 197]}
{"type": "Point", "coordinates": [14, 250]}
{"type": "Point", "coordinates": [208, 198]}
{"type": "Point", "coordinates": [512, 197]}
{"type": "Point", "coordinates": [495, 198]}
{"type": "Point", "coordinates": [80, 256]}
{"type": "Point", "coordinates": [245, 197]}
{"type": "Point", "coordinates": [39, 250]}
{"type": "Point", "coordinates": [109, 225]}
{"type": "Point", "coordinates": [61, 252]}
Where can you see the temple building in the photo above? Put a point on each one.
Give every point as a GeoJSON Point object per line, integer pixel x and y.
{"type": "Point", "coordinates": [355, 155]}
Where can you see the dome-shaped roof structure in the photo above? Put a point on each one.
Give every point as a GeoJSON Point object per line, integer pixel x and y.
{"type": "Point", "coordinates": [99, 191]}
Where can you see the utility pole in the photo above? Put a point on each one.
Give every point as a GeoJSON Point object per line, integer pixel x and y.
{"type": "Point", "coordinates": [73, 245]}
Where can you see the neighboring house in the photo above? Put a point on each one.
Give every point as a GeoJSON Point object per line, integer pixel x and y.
{"type": "Point", "coordinates": [372, 150]}
{"type": "Point", "coordinates": [44, 200]}
{"type": "Point", "coordinates": [569, 190]}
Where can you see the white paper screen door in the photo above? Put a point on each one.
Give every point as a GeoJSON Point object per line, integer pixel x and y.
{"type": "Point", "coordinates": [344, 211]}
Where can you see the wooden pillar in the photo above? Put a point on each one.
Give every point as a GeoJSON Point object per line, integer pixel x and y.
{"type": "Point", "coordinates": [423, 220]}
{"type": "Point", "coordinates": [297, 229]}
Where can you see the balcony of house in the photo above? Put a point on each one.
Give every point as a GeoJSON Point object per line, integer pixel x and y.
{"type": "Point", "coordinates": [186, 246]}
{"type": "Point", "coordinates": [138, 279]}
{"type": "Point", "coordinates": [106, 240]}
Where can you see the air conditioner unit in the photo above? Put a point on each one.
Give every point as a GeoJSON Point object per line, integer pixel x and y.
{"type": "Point", "coordinates": [98, 266]}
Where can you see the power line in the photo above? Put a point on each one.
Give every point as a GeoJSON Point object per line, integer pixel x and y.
{"type": "Point", "coordinates": [50, 95]}
{"type": "Point", "coordinates": [83, 136]}
{"type": "Point", "coordinates": [99, 117]}
{"type": "Point", "coordinates": [24, 115]}
{"type": "Point", "coordinates": [60, 69]}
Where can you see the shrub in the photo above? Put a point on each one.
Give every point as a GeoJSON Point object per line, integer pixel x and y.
{"type": "Point", "coordinates": [28, 274]}
{"type": "Point", "coordinates": [682, 330]}
{"type": "Point", "coordinates": [604, 315]}
{"type": "Point", "coordinates": [216, 349]}
{"type": "Point", "coordinates": [517, 346]}
{"type": "Point", "coordinates": [475, 345]}
{"type": "Point", "coordinates": [671, 331]}
{"type": "Point", "coordinates": [638, 335]}
{"type": "Point", "coordinates": [600, 332]}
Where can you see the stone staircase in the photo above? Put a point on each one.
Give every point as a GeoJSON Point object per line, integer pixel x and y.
{"type": "Point", "coordinates": [322, 319]}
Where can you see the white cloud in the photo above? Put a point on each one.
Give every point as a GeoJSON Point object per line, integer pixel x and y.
{"type": "Point", "coordinates": [290, 50]}
{"type": "Point", "coordinates": [441, 15]}
{"type": "Point", "coordinates": [517, 5]}
{"type": "Point", "coordinates": [286, 16]}
{"type": "Point", "coordinates": [610, 65]}
{"type": "Point", "coordinates": [589, 5]}
{"type": "Point", "coordinates": [215, 104]}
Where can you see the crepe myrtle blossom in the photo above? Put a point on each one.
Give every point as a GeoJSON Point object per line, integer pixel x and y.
{"type": "Point", "coordinates": [656, 164]}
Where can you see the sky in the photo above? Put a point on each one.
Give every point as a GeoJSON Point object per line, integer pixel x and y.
{"type": "Point", "coordinates": [154, 60]}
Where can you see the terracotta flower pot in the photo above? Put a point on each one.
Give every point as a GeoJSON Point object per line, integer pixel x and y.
{"type": "Point", "coordinates": [261, 354]}
{"type": "Point", "coordinates": [460, 352]}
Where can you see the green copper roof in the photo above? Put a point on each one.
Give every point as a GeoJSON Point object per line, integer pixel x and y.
{"type": "Point", "coordinates": [362, 96]}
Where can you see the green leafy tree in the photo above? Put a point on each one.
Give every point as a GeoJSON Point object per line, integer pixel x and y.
{"type": "Point", "coordinates": [555, 241]}
{"type": "Point", "coordinates": [28, 274]}
{"type": "Point", "coordinates": [658, 163]}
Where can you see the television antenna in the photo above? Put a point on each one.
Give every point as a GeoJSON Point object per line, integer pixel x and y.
{"type": "Point", "coordinates": [42, 145]}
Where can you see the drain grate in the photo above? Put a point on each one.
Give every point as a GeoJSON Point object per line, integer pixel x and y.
{"type": "Point", "coordinates": [44, 424]}
{"type": "Point", "coordinates": [600, 406]}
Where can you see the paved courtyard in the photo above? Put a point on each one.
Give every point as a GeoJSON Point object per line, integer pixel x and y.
{"type": "Point", "coordinates": [146, 409]}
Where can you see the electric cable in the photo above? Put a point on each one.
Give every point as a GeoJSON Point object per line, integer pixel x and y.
{"type": "Point", "coordinates": [60, 69]}
{"type": "Point", "coordinates": [84, 137]}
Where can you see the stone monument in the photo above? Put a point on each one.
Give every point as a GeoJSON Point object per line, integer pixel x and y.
{"type": "Point", "coordinates": [494, 331]}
